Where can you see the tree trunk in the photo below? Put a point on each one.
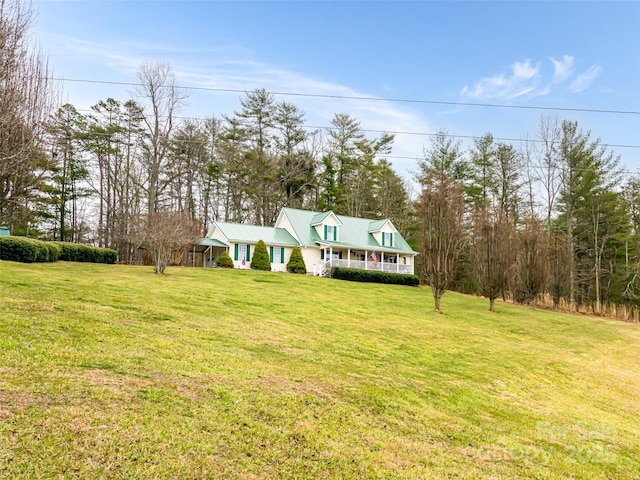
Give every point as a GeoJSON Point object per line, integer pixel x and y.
{"type": "Point", "coordinates": [492, 306]}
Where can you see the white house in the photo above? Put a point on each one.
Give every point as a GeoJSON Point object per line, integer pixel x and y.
{"type": "Point", "coordinates": [325, 240]}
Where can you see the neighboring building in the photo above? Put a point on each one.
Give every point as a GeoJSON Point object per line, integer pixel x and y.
{"type": "Point", "coordinates": [4, 232]}
{"type": "Point", "coordinates": [325, 239]}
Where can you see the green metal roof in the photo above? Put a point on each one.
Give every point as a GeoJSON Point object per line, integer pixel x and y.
{"type": "Point", "coordinates": [319, 217]}
{"type": "Point", "coordinates": [211, 242]}
{"type": "Point", "coordinates": [238, 232]}
{"type": "Point", "coordinates": [376, 225]}
{"type": "Point", "coordinates": [354, 232]}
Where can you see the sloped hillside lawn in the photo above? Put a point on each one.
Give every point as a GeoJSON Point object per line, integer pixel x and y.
{"type": "Point", "coordinates": [112, 372]}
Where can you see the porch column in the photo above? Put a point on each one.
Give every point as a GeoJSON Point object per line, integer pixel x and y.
{"type": "Point", "coordinates": [382, 261]}
{"type": "Point", "coordinates": [366, 260]}
{"type": "Point", "coordinates": [331, 256]}
{"type": "Point", "coordinates": [348, 258]}
{"type": "Point", "coordinates": [193, 257]}
{"type": "Point", "coordinates": [397, 263]}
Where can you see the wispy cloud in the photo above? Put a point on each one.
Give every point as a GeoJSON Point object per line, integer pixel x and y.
{"type": "Point", "coordinates": [521, 79]}
{"type": "Point", "coordinates": [221, 79]}
{"type": "Point", "coordinates": [585, 79]}
{"type": "Point", "coordinates": [527, 79]}
{"type": "Point", "coordinates": [562, 69]}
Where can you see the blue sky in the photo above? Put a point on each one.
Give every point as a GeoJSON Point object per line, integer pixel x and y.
{"type": "Point", "coordinates": [566, 55]}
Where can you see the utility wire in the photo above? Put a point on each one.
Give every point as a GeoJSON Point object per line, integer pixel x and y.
{"type": "Point", "coordinates": [374, 99]}
{"type": "Point", "coordinates": [391, 132]}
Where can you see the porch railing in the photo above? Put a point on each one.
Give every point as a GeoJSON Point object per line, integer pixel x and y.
{"type": "Point", "coordinates": [380, 266]}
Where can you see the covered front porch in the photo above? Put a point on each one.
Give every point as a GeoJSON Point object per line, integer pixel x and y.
{"type": "Point", "coordinates": [392, 262]}
{"type": "Point", "coordinates": [204, 253]}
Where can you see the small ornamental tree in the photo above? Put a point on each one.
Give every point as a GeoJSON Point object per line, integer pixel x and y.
{"type": "Point", "coordinates": [224, 261]}
{"type": "Point", "coordinates": [260, 260]}
{"type": "Point", "coordinates": [165, 232]}
{"type": "Point", "coordinates": [296, 262]}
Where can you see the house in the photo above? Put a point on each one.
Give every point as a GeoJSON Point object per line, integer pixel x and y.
{"type": "Point", "coordinates": [325, 239]}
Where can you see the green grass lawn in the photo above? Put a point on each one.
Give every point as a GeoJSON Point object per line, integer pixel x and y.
{"type": "Point", "coordinates": [113, 372]}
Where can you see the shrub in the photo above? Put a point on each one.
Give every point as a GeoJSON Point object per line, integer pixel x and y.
{"type": "Point", "coordinates": [260, 259]}
{"type": "Point", "coordinates": [75, 252]}
{"type": "Point", "coordinates": [374, 276]}
{"type": "Point", "coordinates": [224, 261]}
{"type": "Point", "coordinates": [27, 250]}
{"type": "Point", "coordinates": [296, 262]}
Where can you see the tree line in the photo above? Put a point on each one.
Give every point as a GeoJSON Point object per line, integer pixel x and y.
{"type": "Point", "coordinates": [553, 216]}
{"type": "Point", "coordinates": [556, 217]}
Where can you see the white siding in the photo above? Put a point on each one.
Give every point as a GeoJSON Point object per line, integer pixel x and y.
{"type": "Point", "coordinates": [311, 256]}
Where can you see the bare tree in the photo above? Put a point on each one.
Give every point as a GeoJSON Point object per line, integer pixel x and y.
{"type": "Point", "coordinates": [559, 278]}
{"type": "Point", "coordinates": [26, 100]}
{"type": "Point", "coordinates": [161, 100]}
{"type": "Point", "coordinates": [532, 264]}
{"type": "Point", "coordinates": [164, 232]}
{"type": "Point", "coordinates": [493, 242]}
{"type": "Point", "coordinates": [440, 212]}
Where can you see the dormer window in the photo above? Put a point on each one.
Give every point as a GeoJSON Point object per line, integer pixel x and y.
{"type": "Point", "coordinates": [387, 239]}
{"type": "Point", "coordinates": [330, 233]}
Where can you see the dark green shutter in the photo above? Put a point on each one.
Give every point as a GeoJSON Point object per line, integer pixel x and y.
{"type": "Point", "coordinates": [281, 254]}
{"type": "Point", "coordinates": [391, 239]}
{"type": "Point", "coordinates": [335, 233]}
{"type": "Point", "coordinates": [248, 253]}
{"type": "Point", "coordinates": [322, 254]}
{"type": "Point", "coordinates": [271, 254]}
{"type": "Point", "coordinates": [235, 252]}
{"type": "Point", "coordinates": [325, 232]}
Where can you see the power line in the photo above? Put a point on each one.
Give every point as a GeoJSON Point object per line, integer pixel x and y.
{"type": "Point", "coordinates": [421, 134]}
{"type": "Point", "coordinates": [373, 99]}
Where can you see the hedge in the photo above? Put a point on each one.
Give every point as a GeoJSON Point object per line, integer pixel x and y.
{"type": "Point", "coordinates": [28, 250]}
{"type": "Point", "coordinates": [75, 252]}
{"type": "Point", "coordinates": [374, 276]}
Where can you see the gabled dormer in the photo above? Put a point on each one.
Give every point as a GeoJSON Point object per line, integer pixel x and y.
{"type": "Point", "coordinates": [327, 226]}
{"type": "Point", "coordinates": [383, 232]}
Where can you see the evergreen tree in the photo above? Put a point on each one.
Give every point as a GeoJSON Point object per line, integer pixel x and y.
{"type": "Point", "coordinates": [296, 262]}
{"type": "Point", "coordinates": [260, 259]}
{"type": "Point", "coordinates": [224, 261]}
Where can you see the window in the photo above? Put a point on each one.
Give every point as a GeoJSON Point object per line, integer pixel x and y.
{"type": "Point", "coordinates": [276, 254]}
{"type": "Point", "coordinates": [242, 252]}
{"type": "Point", "coordinates": [330, 233]}
{"type": "Point", "coordinates": [387, 239]}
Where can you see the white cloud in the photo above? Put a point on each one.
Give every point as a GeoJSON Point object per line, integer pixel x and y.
{"type": "Point", "coordinates": [522, 79]}
{"type": "Point", "coordinates": [562, 69]}
{"type": "Point", "coordinates": [527, 79]}
{"type": "Point", "coordinates": [585, 79]}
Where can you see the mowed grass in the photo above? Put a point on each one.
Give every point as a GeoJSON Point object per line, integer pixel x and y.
{"type": "Point", "coordinates": [113, 372]}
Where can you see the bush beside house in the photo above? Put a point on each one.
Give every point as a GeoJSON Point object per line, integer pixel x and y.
{"type": "Point", "coordinates": [260, 259]}
{"type": "Point", "coordinates": [296, 262]}
{"type": "Point", "coordinates": [224, 261]}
